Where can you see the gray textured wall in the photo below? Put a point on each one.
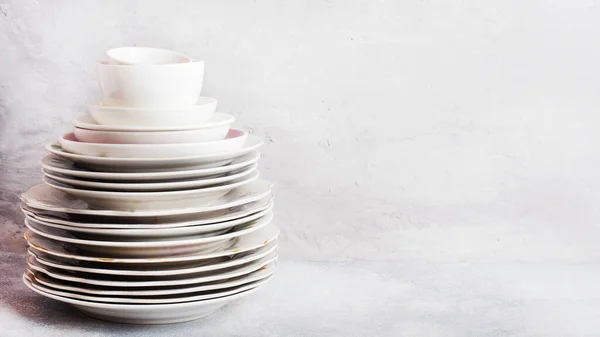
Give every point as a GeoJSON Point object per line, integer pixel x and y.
{"type": "Point", "coordinates": [436, 130]}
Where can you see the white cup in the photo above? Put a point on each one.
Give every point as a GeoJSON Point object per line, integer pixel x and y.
{"type": "Point", "coordinates": [145, 56]}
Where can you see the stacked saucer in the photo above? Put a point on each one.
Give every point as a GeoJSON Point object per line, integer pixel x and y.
{"type": "Point", "coordinates": [152, 210]}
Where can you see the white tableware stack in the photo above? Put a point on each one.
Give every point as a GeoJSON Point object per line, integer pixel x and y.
{"type": "Point", "coordinates": [152, 210]}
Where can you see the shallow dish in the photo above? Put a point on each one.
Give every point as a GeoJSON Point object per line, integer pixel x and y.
{"type": "Point", "coordinates": [59, 165]}
{"type": "Point", "coordinates": [152, 186]}
{"type": "Point", "coordinates": [260, 274]}
{"type": "Point", "coordinates": [158, 281]}
{"type": "Point", "coordinates": [45, 198]}
{"type": "Point", "coordinates": [200, 116]}
{"type": "Point", "coordinates": [234, 140]}
{"type": "Point", "coordinates": [169, 85]}
{"type": "Point", "coordinates": [164, 299]}
{"type": "Point", "coordinates": [145, 56]}
{"type": "Point", "coordinates": [157, 231]}
{"type": "Point", "coordinates": [134, 201]}
{"type": "Point", "coordinates": [195, 223]}
{"type": "Point", "coordinates": [214, 126]}
{"type": "Point", "coordinates": [157, 164]}
{"type": "Point", "coordinates": [152, 269]}
{"type": "Point", "coordinates": [244, 243]}
{"type": "Point", "coordinates": [143, 313]}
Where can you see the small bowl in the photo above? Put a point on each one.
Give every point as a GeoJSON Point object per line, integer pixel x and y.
{"type": "Point", "coordinates": [196, 114]}
{"type": "Point", "coordinates": [235, 139]}
{"type": "Point", "coordinates": [151, 86]}
{"type": "Point", "coordinates": [145, 56]}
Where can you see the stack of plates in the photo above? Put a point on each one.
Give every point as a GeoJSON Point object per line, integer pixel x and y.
{"type": "Point", "coordinates": [150, 224]}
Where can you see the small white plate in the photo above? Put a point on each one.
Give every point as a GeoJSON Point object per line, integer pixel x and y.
{"type": "Point", "coordinates": [143, 313]}
{"type": "Point", "coordinates": [217, 121]}
{"type": "Point", "coordinates": [157, 164]}
{"type": "Point", "coordinates": [152, 186]}
{"type": "Point", "coordinates": [135, 201]}
{"type": "Point", "coordinates": [46, 280]}
{"type": "Point", "coordinates": [154, 248]}
{"type": "Point", "coordinates": [58, 165]}
{"type": "Point", "coordinates": [152, 269]}
{"type": "Point", "coordinates": [44, 197]}
{"type": "Point", "coordinates": [244, 243]}
{"type": "Point", "coordinates": [202, 222]}
{"type": "Point", "coordinates": [234, 140]}
{"type": "Point", "coordinates": [161, 281]}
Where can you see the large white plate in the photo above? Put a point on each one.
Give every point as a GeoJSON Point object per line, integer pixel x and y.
{"type": "Point", "coordinates": [43, 197]}
{"type": "Point", "coordinates": [177, 298]}
{"type": "Point", "coordinates": [244, 243]}
{"type": "Point", "coordinates": [56, 164]}
{"type": "Point", "coordinates": [157, 231]}
{"type": "Point", "coordinates": [159, 281]}
{"type": "Point", "coordinates": [205, 222]}
{"type": "Point", "coordinates": [234, 140]}
{"type": "Point", "coordinates": [134, 201]}
{"type": "Point", "coordinates": [260, 274]}
{"type": "Point", "coordinates": [143, 313]}
{"type": "Point", "coordinates": [151, 269]}
{"type": "Point", "coordinates": [153, 248]}
{"type": "Point", "coordinates": [152, 186]}
{"type": "Point", "coordinates": [157, 164]}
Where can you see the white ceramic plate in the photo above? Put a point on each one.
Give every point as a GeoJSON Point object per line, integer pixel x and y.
{"type": "Point", "coordinates": [244, 243]}
{"type": "Point", "coordinates": [46, 198]}
{"type": "Point", "coordinates": [157, 231]}
{"type": "Point", "coordinates": [218, 120]}
{"type": "Point", "coordinates": [152, 269]}
{"type": "Point", "coordinates": [143, 313]}
{"type": "Point", "coordinates": [205, 222]}
{"type": "Point", "coordinates": [154, 248]}
{"type": "Point", "coordinates": [234, 140]}
{"type": "Point", "coordinates": [58, 165]}
{"type": "Point", "coordinates": [135, 201]}
{"type": "Point", "coordinates": [152, 186]}
{"type": "Point", "coordinates": [46, 280]}
{"type": "Point", "coordinates": [159, 281]}
{"type": "Point", "coordinates": [157, 164]}
{"type": "Point", "coordinates": [178, 298]}
{"type": "Point", "coordinates": [114, 118]}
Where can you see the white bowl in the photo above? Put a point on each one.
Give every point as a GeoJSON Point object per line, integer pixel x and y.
{"type": "Point", "coordinates": [195, 114]}
{"type": "Point", "coordinates": [235, 139]}
{"type": "Point", "coordinates": [145, 55]}
{"type": "Point", "coordinates": [157, 86]}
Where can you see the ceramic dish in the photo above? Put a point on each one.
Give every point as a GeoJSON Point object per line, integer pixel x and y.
{"type": "Point", "coordinates": [115, 119]}
{"type": "Point", "coordinates": [214, 126]}
{"type": "Point", "coordinates": [145, 56]}
{"type": "Point", "coordinates": [134, 201]}
{"type": "Point", "coordinates": [58, 165]}
{"type": "Point", "coordinates": [43, 197]}
{"type": "Point", "coordinates": [145, 314]}
{"type": "Point", "coordinates": [152, 186]}
{"type": "Point", "coordinates": [244, 243]}
{"type": "Point", "coordinates": [153, 269]}
{"type": "Point", "coordinates": [197, 222]}
{"type": "Point", "coordinates": [157, 164]}
{"type": "Point", "coordinates": [234, 140]}
{"type": "Point", "coordinates": [160, 86]}
{"type": "Point", "coordinates": [154, 248]}
{"type": "Point", "coordinates": [157, 281]}
{"type": "Point", "coordinates": [179, 298]}
{"type": "Point", "coordinates": [48, 281]}
{"type": "Point", "coordinates": [157, 231]}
